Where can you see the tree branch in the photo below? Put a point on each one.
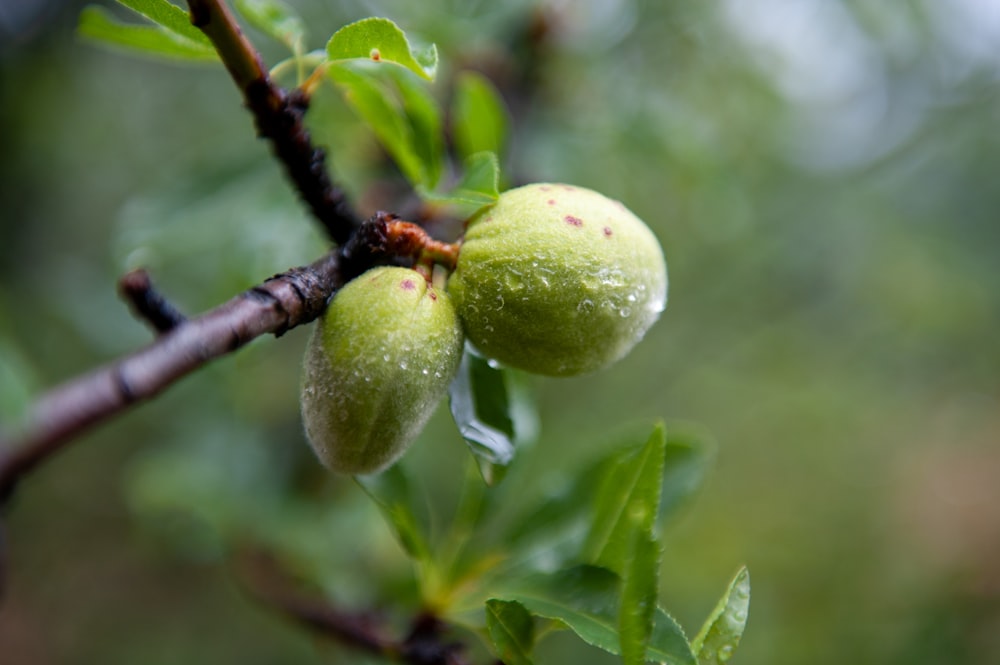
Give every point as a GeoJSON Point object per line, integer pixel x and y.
{"type": "Point", "coordinates": [280, 303]}
{"type": "Point", "coordinates": [279, 118]}
{"type": "Point", "coordinates": [267, 581]}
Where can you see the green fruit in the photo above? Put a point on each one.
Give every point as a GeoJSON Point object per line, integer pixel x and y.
{"type": "Point", "coordinates": [378, 362]}
{"type": "Point", "coordinates": [558, 280]}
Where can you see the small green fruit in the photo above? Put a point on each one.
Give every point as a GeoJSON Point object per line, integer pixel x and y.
{"type": "Point", "coordinates": [558, 280]}
{"type": "Point", "coordinates": [378, 362]}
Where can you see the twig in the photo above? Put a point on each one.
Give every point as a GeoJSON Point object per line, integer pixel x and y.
{"type": "Point", "coordinates": [266, 580]}
{"type": "Point", "coordinates": [279, 118]}
{"type": "Point", "coordinates": [148, 303]}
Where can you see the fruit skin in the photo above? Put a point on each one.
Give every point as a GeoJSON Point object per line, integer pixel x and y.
{"type": "Point", "coordinates": [558, 280]}
{"type": "Point", "coordinates": [378, 362]}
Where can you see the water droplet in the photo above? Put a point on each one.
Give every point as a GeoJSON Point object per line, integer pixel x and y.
{"type": "Point", "coordinates": [625, 312]}
{"type": "Point", "coordinates": [385, 357]}
{"type": "Point", "coordinates": [438, 375]}
{"type": "Point", "coordinates": [631, 297]}
{"type": "Point", "coordinates": [586, 305]}
{"type": "Point", "coordinates": [368, 379]}
{"type": "Point", "coordinates": [739, 615]}
{"type": "Point", "coordinates": [493, 363]}
{"type": "Point", "coordinates": [725, 653]}
{"type": "Point", "coordinates": [403, 364]}
{"type": "Point", "coordinates": [500, 303]}
{"type": "Point", "coordinates": [425, 371]}
{"type": "Point", "coordinates": [488, 328]}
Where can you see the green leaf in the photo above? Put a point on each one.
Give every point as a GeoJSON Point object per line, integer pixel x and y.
{"type": "Point", "coordinates": [512, 631]}
{"type": "Point", "coordinates": [424, 118]}
{"type": "Point", "coordinates": [481, 407]}
{"type": "Point", "coordinates": [479, 117]}
{"type": "Point", "coordinates": [640, 589]}
{"type": "Point", "coordinates": [275, 19]}
{"type": "Point", "coordinates": [170, 16]}
{"type": "Point", "coordinates": [631, 487]}
{"type": "Point", "coordinates": [478, 187]}
{"type": "Point", "coordinates": [97, 23]}
{"type": "Point", "coordinates": [585, 599]}
{"type": "Point", "coordinates": [392, 493]}
{"type": "Point", "coordinates": [381, 40]}
{"type": "Point", "coordinates": [688, 456]}
{"type": "Point", "coordinates": [718, 638]}
{"type": "Point", "coordinates": [375, 102]}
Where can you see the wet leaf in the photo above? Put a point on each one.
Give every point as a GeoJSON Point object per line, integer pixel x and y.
{"type": "Point", "coordinates": [720, 635]}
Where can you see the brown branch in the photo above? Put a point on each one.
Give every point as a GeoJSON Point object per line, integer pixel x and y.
{"type": "Point", "coordinates": [279, 118]}
{"type": "Point", "coordinates": [263, 577]}
{"type": "Point", "coordinates": [282, 302]}
{"type": "Point", "coordinates": [147, 303]}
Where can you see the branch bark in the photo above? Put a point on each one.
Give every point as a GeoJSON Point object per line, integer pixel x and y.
{"type": "Point", "coordinates": [278, 115]}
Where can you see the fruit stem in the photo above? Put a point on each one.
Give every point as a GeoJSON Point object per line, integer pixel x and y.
{"type": "Point", "coordinates": [409, 239]}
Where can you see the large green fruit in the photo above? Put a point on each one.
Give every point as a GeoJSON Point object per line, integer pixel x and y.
{"type": "Point", "coordinates": [378, 362]}
{"type": "Point", "coordinates": [558, 280]}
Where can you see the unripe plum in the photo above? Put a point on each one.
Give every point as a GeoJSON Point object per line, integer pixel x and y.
{"type": "Point", "coordinates": [378, 362]}
{"type": "Point", "coordinates": [558, 280]}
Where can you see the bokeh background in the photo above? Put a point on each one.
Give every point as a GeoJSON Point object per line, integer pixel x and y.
{"type": "Point", "coordinates": [823, 175]}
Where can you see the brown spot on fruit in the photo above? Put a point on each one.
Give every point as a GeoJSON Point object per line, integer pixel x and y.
{"type": "Point", "coordinates": [407, 285]}
{"type": "Point", "coordinates": [433, 295]}
{"type": "Point", "coordinates": [573, 221]}
{"type": "Point", "coordinates": [608, 232]}
{"type": "Point", "coordinates": [552, 202]}
{"type": "Point", "coordinates": [375, 54]}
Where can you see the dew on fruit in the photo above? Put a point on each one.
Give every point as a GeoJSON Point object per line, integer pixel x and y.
{"type": "Point", "coordinates": [625, 312]}
{"type": "Point", "coordinates": [386, 357]}
{"type": "Point", "coordinates": [425, 371]}
{"type": "Point", "coordinates": [611, 277]}
{"type": "Point", "coordinates": [586, 305]}
{"type": "Point", "coordinates": [500, 303]}
{"type": "Point", "coordinates": [493, 363]}
{"type": "Point", "coordinates": [403, 364]}
{"type": "Point", "coordinates": [514, 282]}
{"type": "Point", "coordinates": [725, 653]}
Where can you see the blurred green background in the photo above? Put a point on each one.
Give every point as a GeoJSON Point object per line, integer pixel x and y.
{"type": "Point", "coordinates": [823, 177]}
